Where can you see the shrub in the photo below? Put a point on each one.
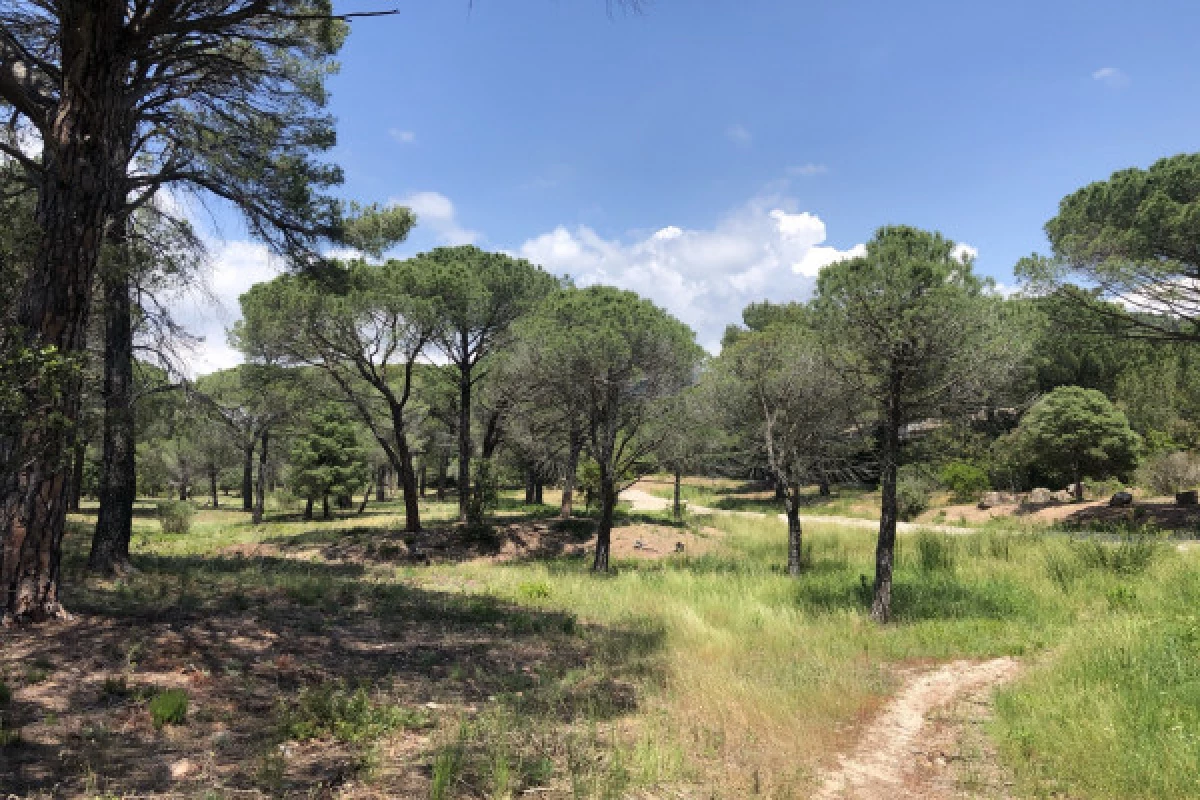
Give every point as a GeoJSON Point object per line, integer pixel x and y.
{"type": "Point", "coordinates": [965, 480]}
{"type": "Point", "coordinates": [914, 484]}
{"type": "Point", "coordinates": [169, 708]}
{"type": "Point", "coordinates": [5, 694]}
{"type": "Point", "coordinates": [1168, 473]}
{"type": "Point", "coordinates": [485, 493]}
{"type": "Point", "coordinates": [175, 516]}
{"type": "Point", "coordinates": [350, 716]}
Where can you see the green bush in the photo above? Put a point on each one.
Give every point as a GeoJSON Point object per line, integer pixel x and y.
{"type": "Point", "coordinates": [965, 480]}
{"type": "Point", "coordinates": [169, 708]}
{"type": "Point", "coordinates": [175, 516]}
{"type": "Point", "coordinates": [914, 485]}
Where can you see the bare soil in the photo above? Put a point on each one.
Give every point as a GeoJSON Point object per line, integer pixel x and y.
{"type": "Point", "coordinates": [927, 742]}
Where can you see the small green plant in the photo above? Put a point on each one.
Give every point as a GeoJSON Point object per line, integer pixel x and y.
{"type": "Point", "coordinates": [447, 766]}
{"type": "Point", "coordinates": [914, 485]}
{"type": "Point", "coordinates": [169, 708]}
{"type": "Point", "coordinates": [1062, 568]}
{"type": "Point", "coordinates": [175, 516]}
{"type": "Point", "coordinates": [1132, 555]}
{"type": "Point", "coordinates": [534, 590]}
{"type": "Point", "coordinates": [331, 711]}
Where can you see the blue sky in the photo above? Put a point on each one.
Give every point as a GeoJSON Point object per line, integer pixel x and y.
{"type": "Point", "coordinates": [713, 152]}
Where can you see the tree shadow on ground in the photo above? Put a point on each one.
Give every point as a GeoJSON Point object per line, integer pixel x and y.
{"type": "Point", "coordinates": [245, 636]}
{"type": "Point", "coordinates": [915, 597]}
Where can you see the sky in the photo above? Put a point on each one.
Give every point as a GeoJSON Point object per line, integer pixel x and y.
{"type": "Point", "coordinates": [713, 153]}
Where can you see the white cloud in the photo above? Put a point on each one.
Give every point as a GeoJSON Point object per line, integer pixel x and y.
{"type": "Point", "coordinates": [703, 276]}
{"type": "Point", "coordinates": [739, 135]}
{"type": "Point", "coordinates": [402, 136]}
{"type": "Point", "coordinates": [807, 170]}
{"type": "Point", "coordinates": [436, 212]}
{"type": "Point", "coordinates": [207, 312]}
{"type": "Point", "coordinates": [1112, 77]}
{"type": "Point", "coordinates": [963, 251]}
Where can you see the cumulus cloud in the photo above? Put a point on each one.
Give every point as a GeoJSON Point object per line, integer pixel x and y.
{"type": "Point", "coordinates": [740, 135]}
{"type": "Point", "coordinates": [1112, 77]}
{"type": "Point", "coordinates": [207, 312]}
{"type": "Point", "coordinates": [964, 252]}
{"type": "Point", "coordinates": [703, 276]}
{"type": "Point", "coordinates": [402, 136]}
{"type": "Point", "coordinates": [436, 212]}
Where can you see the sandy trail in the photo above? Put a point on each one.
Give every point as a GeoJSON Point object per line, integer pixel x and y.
{"type": "Point", "coordinates": [886, 762]}
{"type": "Point", "coordinates": [644, 501]}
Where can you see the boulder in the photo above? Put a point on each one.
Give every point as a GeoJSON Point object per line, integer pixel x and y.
{"type": "Point", "coordinates": [1064, 496]}
{"type": "Point", "coordinates": [993, 499]}
{"type": "Point", "coordinates": [1041, 496]}
{"type": "Point", "coordinates": [1188, 498]}
{"type": "Point", "coordinates": [1121, 500]}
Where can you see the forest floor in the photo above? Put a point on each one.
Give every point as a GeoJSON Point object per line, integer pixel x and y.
{"type": "Point", "coordinates": [346, 658]}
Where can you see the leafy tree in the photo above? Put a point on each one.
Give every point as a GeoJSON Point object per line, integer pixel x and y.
{"type": "Point", "coordinates": [480, 296]}
{"type": "Point", "coordinates": [777, 388]}
{"type": "Point", "coordinates": [366, 338]}
{"type": "Point", "coordinates": [615, 357]}
{"type": "Point", "coordinates": [1078, 432]}
{"type": "Point", "coordinates": [327, 458]}
{"type": "Point", "coordinates": [916, 332]}
{"type": "Point", "coordinates": [1131, 239]}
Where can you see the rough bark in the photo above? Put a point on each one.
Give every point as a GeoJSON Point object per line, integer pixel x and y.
{"type": "Point", "coordinates": [85, 160]}
{"type": "Point", "coordinates": [118, 465]}
{"type": "Point", "coordinates": [608, 502]}
{"type": "Point", "coordinates": [404, 468]}
{"type": "Point", "coordinates": [248, 476]}
{"type": "Point", "coordinates": [795, 532]}
{"type": "Point", "coordinates": [677, 502]}
{"type": "Point", "coordinates": [568, 492]}
{"type": "Point", "coordinates": [464, 433]}
{"type": "Point", "coordinates": [885, 548]}
{"type": "Point", "coordinates": [260, 499]}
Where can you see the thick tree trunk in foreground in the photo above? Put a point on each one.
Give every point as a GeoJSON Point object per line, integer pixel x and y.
{"type": "Point", "coordinates": [260, 499]}
{"type": "Point", "coordinates": [795, 532]}
{"type": "Point", "coordinates": [248, 477]}
{"type": "Point", "coordinates": [85, 159]}
{"type": "Point", "coordinates": [118, 466]}
{"type": "Point", "coordinates": [608, 502]}
{"type": "Point", "coordinates": [568, 492]}
{"type": "Point", "coordinates": [885, 548]}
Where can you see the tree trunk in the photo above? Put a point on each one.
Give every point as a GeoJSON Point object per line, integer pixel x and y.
{"type": "Point", "coordinates": [1078, 485]}
{"type": "Point", "coordinates": [464, 432]}
{"type": "Point", "coordinates": [608, 502]}
{"type": "Point", "coordinates": [885, 548]}
{"type": "Point", "coordinates": [529, 488]}
{"type": "Point", "coordinates": [308, 508]}
{"type": "Point", "coordinates": [677, 504]}
{"type": "Point", "coordinates": [366, 496]}
{"type": "Point", "coordinates": [212, 486]}
{"type": "Point", "coordinates": [443, 467]}
{"type": "Point", "coordinates": [780, 491]}
{"type": "Point", "coordinates": [537, 492]}
{"type": "Point", "coordinates": [85, 160]}
{"type": "Point", "coordinates": [823, 486]}
{"type": "Point", "coordinates": [260, 499]}
{"type": "Point", "coordinates": [325, 513]}
{"type": "Point", "coordinates": [380, 480]}
{"type": "Point", "coordinates": [423, 478]}
{"type": "Point", "coordinates": [568, 492]}
{"type": "Point", "coordinates": [248, 477]}
{"type": "Point", "coordinates": [404, 469]}
{"type": "Point", "coordinates": [795, 532]}
{"type": "Point", "coordinates": [77, 463]}
{"type": "Point", "coordinates": [118, 465]}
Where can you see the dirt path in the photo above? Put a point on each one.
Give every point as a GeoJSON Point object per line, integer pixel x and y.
{"type": "Point", "coordinates": [893, 757]}
{"type": "Point", "coordinates": [644, 501]}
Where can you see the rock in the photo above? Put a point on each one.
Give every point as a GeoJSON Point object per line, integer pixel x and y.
{"type": "Point", "coordinates": [993, 499]}
{"type": "Point", "coordinates": [1064, 496]}
{"type": "Point", "coordinates": [637, 544]}
{"type": "Point", "coordinates": [1041, 496]}
{"type": "Point", "coordinates": [1121, 500]}
{"type": "Point", "coordinates": [181, 769]}
{"type": "Point", "coordinates": [1189, 498]}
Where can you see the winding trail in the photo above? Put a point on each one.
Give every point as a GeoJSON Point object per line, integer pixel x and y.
{"type": "Point", "coordinates": [885, 764]}
{"type": "Point", "coordinates": [644, 501]}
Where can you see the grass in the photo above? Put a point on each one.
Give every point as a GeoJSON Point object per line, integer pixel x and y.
{"type": "Point", "coordinates": [716, 675]}
{"type": "Point", "coordinates": [727, 494]}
